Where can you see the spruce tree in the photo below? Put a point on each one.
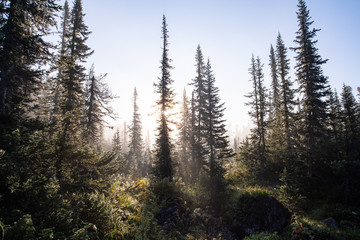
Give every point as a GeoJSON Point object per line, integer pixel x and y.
{"type": "Point", "coordinates": [336, 127]}
{"type": "Point", "coordinates": [125, 147]}
{"type": "Point", "coordinates": [164, 168]}
{"type": "Point", "coordinates": [184, 144]}
{"type": "Point", "coordinates": [135, 154]}
{"type": "Point", "coordinates": [73, 77]}
{"type": "Point", "coordinates": [287, 101]}
{"type": "Point", "coordinates": [194, 149]}
{"type": "Point", "coordinates": [60, 63]}
{"type": "Point", "coordinates": [22, 50]}
{"type": "Point", "coordinates": [258, 104]}
{"type": "Point", "coordinates": [198, 109]}
{"type": "Point", "coordinates": [215, 136]}
{"type": "Point", "coordinates": [313, 87]}
{"type": "Point", "coordinates": [97, 99]}
{"type": "Point", "coordinates": [275, 138]}
{"type": "Point", "coordinates": [116, 142]}
{"type": "Point", "coordinates": [275, 94]}
{"type": "Point", "coordinates": [351, 114]}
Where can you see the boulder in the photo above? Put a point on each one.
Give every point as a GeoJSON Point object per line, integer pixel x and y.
{"type": "Point", "coordinates": [331, 223]}
{"type": "Point", "coordinates": [259, 213]}
{"type": "Point", "coordinates": [170, 213]}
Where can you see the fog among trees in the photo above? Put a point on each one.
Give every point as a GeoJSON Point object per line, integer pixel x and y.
{"type": "Point", "coordinates": [293, 176]}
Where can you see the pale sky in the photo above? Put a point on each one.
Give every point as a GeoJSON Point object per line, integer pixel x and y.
{"type": "Point", "coordinates": [126, 37]}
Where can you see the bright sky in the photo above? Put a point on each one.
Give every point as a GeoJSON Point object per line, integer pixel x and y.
{"type": "Point", "coordinates": [126, 37]}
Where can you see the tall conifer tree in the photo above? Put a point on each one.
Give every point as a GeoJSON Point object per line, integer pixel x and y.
{"type": "Point", "coordinates": [198, 108]}
{"type": "Point", "coordinates": [313, 86]}
{"type": "Point", "coordinates": [60, 63]}
{"type": "Point", "coordinates": [275, 94]}
{"type": "Point", "coordinates": [287, 101]}
{"type": "Point", "coordinates": [185, 131]}
{"type": "Point", "coordinates": [22, 49]}
{"type": "Point", "coordinates": [259, 105]}
{"type": "Point", "coordinates": [164, 168]}
{"type": "Point", "coordinates": [217, 143]}
{"type": "Point", "coordinates": [73, 77]}
{"type": "Point", "coordinates": [136, 145]}
{"type": "Point", "coordinates": [351, 115]}
{"type": "Point", "coordinates": [97, 99]}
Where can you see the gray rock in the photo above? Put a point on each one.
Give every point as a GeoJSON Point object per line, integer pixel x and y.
{"type": "Point", "coordinates": [331, 223]}
{"type": "Point", "coordinates": [259, 214]}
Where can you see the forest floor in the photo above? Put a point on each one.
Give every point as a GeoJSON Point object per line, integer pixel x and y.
{"type": "Point", "coordinates": [164, 210]}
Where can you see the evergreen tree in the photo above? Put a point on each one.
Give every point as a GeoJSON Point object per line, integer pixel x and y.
{"type": "Point", "coordinates": [97, 99]}
{"type": "Point", "coordinates": [22, 50]}
{"type": "Point", "coordinates": [198, 111]}
{"type": "Point", "coordinates": [214, 128]}
{"type": "Point", "coordinates": [60, 65]}
{"type": "Point", "coordinates": [258, 113]}
{"type": "Point", "coordinates": [184, 127]}
{"type": "Point", "coordinates": [164, 168]}
{"type": "Point", "coordinates": [125, 138]}
{"type": "Point", "coordinates": [336, 127]}
{"type": "Point", "coordinates": [73, 77]}
{"type": "Point", "coordinates": [352, 139]}
{"type": "Point", "coordinates": [313, 86]}
{"type": "Point", "coordinates": [194, 149]}
{"type": "Point", "coordinates": [287, 101]}
{"type": "Point", "coordinates": [275, 138]}
{"type": "Point", "coordinates": [116, 142]}
{"type": "Point", "coordinates": [275, 94]}
{"type": "Point", "coordinates": [135, 154]}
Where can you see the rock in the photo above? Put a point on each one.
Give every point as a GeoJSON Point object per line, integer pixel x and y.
{"type": "Point", "coordinates": [331, 223]}
{"type": "Point", "coordinates": [259, 213]}
{"type": "Point", "coordinates": [170, 213]}
{"type": "Point", "coordinates": [212, 227]}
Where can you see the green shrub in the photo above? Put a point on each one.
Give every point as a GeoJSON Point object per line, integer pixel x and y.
{"type": "Point", "coordinates": [263, 236]}
{"type": "Point", "coordinates": [22, 229]}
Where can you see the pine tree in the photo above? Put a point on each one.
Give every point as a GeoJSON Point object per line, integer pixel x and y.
{"type": "Point", "coordinates": [287, 101]}
{"type": "Point", "coordinates": [214, 128]}
{"type": "Point", "coordinates": [59, 66]}
{"type": "Point", "coordinates": [184, 127]}
{"type": "Point", "coordinates": [275, 94]}
{"type": "Point", "coordinates": [97, 99]}
{"type": "Point", "coordinates": [22, 49]}
{"type": "Point", "coordinates": [125, 138]}
{"type": "Point", "coordinates": [135, 155]}
{"type": "Point", "coordinates": [194, 149]}
{"type": "Point", "coordinates": [198, 109]}
{"type": "Point", "coordinates": [275, 138]}
{"type": "Point", "coordinates": [313, 86]}
{"type": "Point", "coordinates": [352, 139]}
{"type": "Point", "coordinates": [258, 113]}
{"type": "Point", "coordinates": [73, 77]}
{"type": "Point", "coordinates": [116, 142]}
{"type": "Point", "coordinates": [164, 168]}
{"type": "Point", "coordinates": [336, 127]}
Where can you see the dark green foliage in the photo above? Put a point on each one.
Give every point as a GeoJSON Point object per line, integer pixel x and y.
{"type": "Point", "coordinates": [198, 105]}
{"type": "Point", "coordinates": [352, 140]}
{"type": "Point", "coordinates": [258, 113]}
{"type": "Point", "coordinates": [22, 46]}
{"type": "Point", "coordinates": [215, 136]}
{"type": "Point", "coordinates": [97, 99]}
{"type": "Point", "coordinates": [184, 142]}
{"type": "Point", "coordinates": [313, 87]}
{"type": "Point", "coordinates": [275, 87]}
{"type": "Point", "coordinates": [164, 168]}
{"type": "Point", "coordinates": [136, 145]}
{"type": "Point", "coordinates": [72, 74]}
